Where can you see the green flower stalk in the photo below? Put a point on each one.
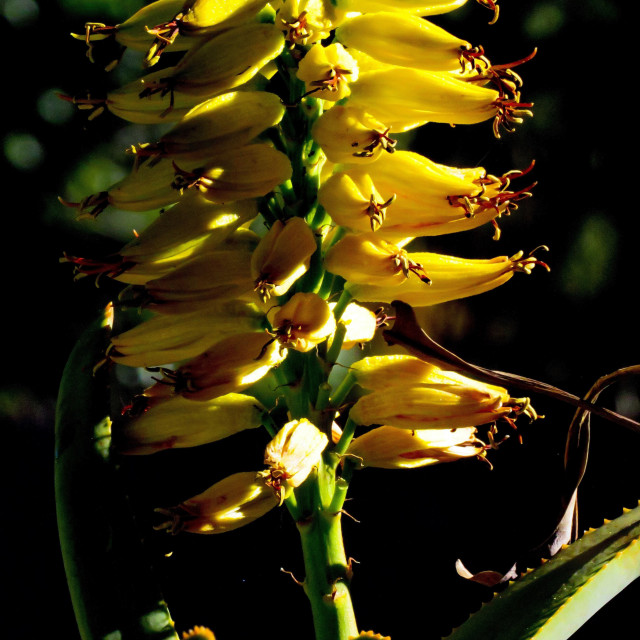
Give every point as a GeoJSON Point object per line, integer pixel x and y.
{"type": "Point", "coordinates": [284, 205]}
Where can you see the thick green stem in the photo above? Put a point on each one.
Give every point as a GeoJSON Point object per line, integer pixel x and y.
{"type": "Point", "coordinates": [327, 575]}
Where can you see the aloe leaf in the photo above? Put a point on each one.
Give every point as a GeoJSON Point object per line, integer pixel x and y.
{"type": "Point", "coordinates": [557, 598]}
{"type": "Point", "coordinates": [113, 593]}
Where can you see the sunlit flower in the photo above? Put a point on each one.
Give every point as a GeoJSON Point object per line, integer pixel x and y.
{"type": "Point", "coordinates": [292, 455]}
{"type": "Point", "coordinates": [229, 504]}
{"type": "Point", "coordinates": [303, 322]}
{"type": "Point", "coordinates": [393, 448]}
{"type": "Point", "coordinates": [231, 365]}
{"type": "Point", "coordinates": [307, 21]}
{"type": "Point", "coordinates": [408, 195]}
{"type": "Point", "coordinates": [327, 72]}
{"type": "Point", "coordinates": [170, 338]}
{"type": "Point", "coordinates": [175, 423]}
{"type": "Point", "coordinates": [282, 256]}
{"type": "Point", "coordinates": [425, 406]}
{"type": "Point", "coordinates": [404, 40]}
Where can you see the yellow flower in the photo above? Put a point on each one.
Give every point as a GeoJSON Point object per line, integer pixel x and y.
{"type": "Point", "coordinates": [367, 258]}
{"type": "Point", "coordinates": [232, 364]}
{"type": "Point", "coordinates": [292, 455]}
{"type": "Point", "coordinates": [217, 125]}
{"type": "Point", "coordinates": [403, 40]}
{"type": "Point", "coordinates": [406, 98]}
{"type": "Point", "coordinates": [307, 21]}
{"type": "Point", "coordinates": [170, 338]}
{"type": "Point", "coordinates": [392, 448]}
{"type": "Point", "coordinates": [193, 226]}
{"type": "Point", "coordinates": [431, 406]}
{"type": "Point", "coordinates": [176, 423]}
{"type": "Point", "coordinates": [221, 63]}
{"type": "Point", "coordinates": [229, 504]}
{"type": "Point", "coordinates": [282, 256]}
{"type": "Point", "coordinates": [413, 7]}
{"type": "Point", "coordinates": [351, 134]}
{"type": "Point", "coordinates": [303, 322]}
{"type": "Point", "coordinates": [419, 279]}
{"type": "Point", "coordinates": [380, 372]}
{"type": "Point", "coordinates": [203, 280]}
{"type": "Point", "coordinates": [360, 324]}
{"type": "Point", "coordinates": [408, 195]}
{"type": "Point", "coordinates": [327, 72]}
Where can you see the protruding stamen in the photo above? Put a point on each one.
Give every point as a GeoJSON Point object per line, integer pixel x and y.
{"type": "Point", "coordinates": [493, 6]}
{"type": "Point", "coordinates": [376, 211]}
{"type": "Point", "coordinates": [91, 206]}
{"type": "Point", "coordinates": [380, 139]}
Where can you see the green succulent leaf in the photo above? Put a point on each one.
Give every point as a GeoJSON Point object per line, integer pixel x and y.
{"type": "Point", "coordinates": [557, 598]}
{"type": "Point", "coordinates": [113, 593]}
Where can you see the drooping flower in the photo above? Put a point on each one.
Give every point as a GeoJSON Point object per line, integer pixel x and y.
{"type": "Point", "coordinates": [408, 195]}
{"type": "Point", "coordinates": [282, 256]}
{"type": "Point", "coordinates": [232, 364]}
{"type": "Point", "coordinates": [292, 455]}
{"type": "Point", "coordinates": [164, 339]}
{"type": "Point", "coordinates": [229, 504]}
{"type": "Point", "coordinates": [379, 271]}
{"type": "Point", "coordinates": [392, 448]}
{"type": "Point", "coordinates": [175, 422]}
{"type": "Point", "coordinates": [327, 72]}
{"type": "Point", "coordinates": [303, 322]}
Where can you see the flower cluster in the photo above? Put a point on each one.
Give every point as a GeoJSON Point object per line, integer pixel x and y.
{"type": "Point", "coordinates": [285, 217]}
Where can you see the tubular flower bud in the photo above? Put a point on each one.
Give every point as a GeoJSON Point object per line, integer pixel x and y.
{"type": "Point", "coordinates": [132, 32]}
{"type": "Point", "coordinates": [403, 40]}
{"type": "Point", "coordinates": [407, 98]}
{"type": "Point", "coordinates": [170, 338]}
{"type": "Point", "coordinates": [292, 455]}
{"type": "Point", "coordinates": [360, 323]}
{"type": "Point", "coordinates": [451, 278]}
{"type": "Point", "coordinates": [351, 134]}
{"type": "Point", "coordinates": [224, 62]}
{"type": "Point", "coordinates": [327, 72]}
{"type": "Point", "coordinates": [409, 195]}
{"type": "Point", "coordinates": [217, 125]}
{"type": "Point", "coordinates": [197, 19]}
{"type": "Point", "coordinates": [127, 103]}
{"type": "Point", "coordinates": [303, 322]}
{"type": "Point", "coordinates": [412, 7]}
{"type": "Point", "coordinates": [229, 504]}
{"type": "Point", "coordinates": [392, 448]}
{"type": "Point", "coordinates": [367, 258]}
{"type": "Point", "coordinates": [381, 372]}
{"type": "Point", "coordinates": [246, 172]}
{"type": "Point", "coordinates": [307, 21]}
{"type": "Point", "coordinates": [437, 406]}
{"type": "Point", "coordinates": [231, 365]}
{"type": "Point", "coordinates": [194, 225]}
{"type": "Point", "coordinates": [176, 423]}
{"type": "Point", "coordinates": [201, 281]}
{"type": "Point", "coordinates": [282, 256]}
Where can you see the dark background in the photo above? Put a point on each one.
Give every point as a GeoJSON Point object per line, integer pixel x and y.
{"type": "Point", "coordinates": [567, 328]}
